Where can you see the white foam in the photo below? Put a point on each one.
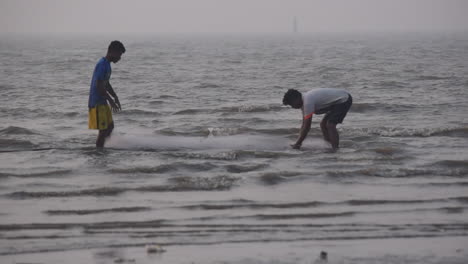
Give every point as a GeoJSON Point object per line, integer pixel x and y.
{"type": "Point", "coordinates": [236, 142]}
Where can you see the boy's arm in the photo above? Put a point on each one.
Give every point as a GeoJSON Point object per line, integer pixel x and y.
{"type": "Point", "coordinates": [101, 87]}
{"type": "Point", "coordinates": [112, 92]}
{"type": "Point", "coordinates": [306, 123]}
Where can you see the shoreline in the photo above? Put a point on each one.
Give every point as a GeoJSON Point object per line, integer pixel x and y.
{"type": "Point", "coordinates": [402, 250]}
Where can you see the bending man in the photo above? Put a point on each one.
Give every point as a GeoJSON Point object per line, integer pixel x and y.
{"type": "Point", "coordinates": [334, 103]}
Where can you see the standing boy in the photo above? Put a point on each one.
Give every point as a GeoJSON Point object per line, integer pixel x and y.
{"type": "Point", "coordinates": [100, 114]}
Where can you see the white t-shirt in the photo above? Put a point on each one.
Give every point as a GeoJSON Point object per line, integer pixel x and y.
{"type": "Point", "coordinates": [321, 98]}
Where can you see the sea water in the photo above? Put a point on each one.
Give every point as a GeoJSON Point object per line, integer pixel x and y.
{"type": "Point", "coordinates": [199, 162]}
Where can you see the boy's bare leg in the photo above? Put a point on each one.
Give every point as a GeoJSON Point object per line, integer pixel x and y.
{"type": "Point", "coordinates": [103, 135]}
{"type": "Point", "coordinates": [323, 127]}
{"type": "Point", "coordinates": [333, 135]}
{"type": "Point", "coordinates": [109, 129]}
{"type": "Point", "coordinates": [101, 138]}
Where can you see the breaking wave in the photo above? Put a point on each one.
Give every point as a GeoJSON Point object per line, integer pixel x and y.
{"type": "Point", "coordinates": [271, 178]}
{"type": "Point", "coordinates": [13, 130]}
{"type": "Point", "coordinates": [206, 166]}
{"type": "Point", "coordinates": [414, 132]}
{"type": "Point", "coordinates": [381, 172]}
{"type": "Point", "coordinates": [248, 204]}
{"type": "Point", "coordinates": [9, 144]}
{"type": "Point", "coordinates": [138, 112]}
{"type": "Point", "coordinates": [223, 155]}
{"type": "Point", "coordinates": [98, 211]}
{"type": "Point", "coordinates": [179, 184]}
{"type": "Point", "coordinates": [36, 173]}
{"type": "Point", "coordinates": [206, 85]}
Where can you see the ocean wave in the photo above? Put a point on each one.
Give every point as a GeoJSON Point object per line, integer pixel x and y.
{"type": "Point", "coordinates": [6, 87]}
{"type": "Point", "coordinates": [232, 61]}
{"type": "Point", "coordinates": [192, 111]}
{"type": "Point", "coordinates": [452, 210]}
{"type": "Point", "coordinates": [381, 172]}
{"type": "Point", "coordinates": [245, 204]}
{"type": "Point", "coordinates": [384, 202]}
{"type": "Point", "coordinates": [271, 178]}
{"type": "Point", "coordinates": [233, 168]}
{"type": "Point", "coordinates": [167, 96]}
{"type": "Point", "coordinates": [104, 191]}
{"type": "Point", "coordinates": [184, 132]}
{"type": "Point", "coordinates": [144, 169]}
{"type": "Point", "coordinates": [266, 154]}
{"type": "Point", "coordinates": [138, 112]}
{"type": "Point", "coordinates": [164, 168]}
{"type": "Point", "coordinates": [276, 131]}
{"type": "Point", "coordinates": [9, 144]}
{"type": "Point", "coordinates": [432, 78]}
{"type": "Point", "coordinates": [259, 108]}
{"type": "Point", "coordinates": [451, 167]}
{"type": "Point", "coordinates": [461, 199]}
{"type": "Point", "coordinates": [156, 102]}
{"type": "Point", "coordinates": [363, 107]}
{"type": "Point", "coordinates": [413, 132]}
{"type": "Point", "coordinates": [363, 202]}
{"type": "Point", "coordinates": [71, 114]}
{"type": "Point", "coordinates": [388, 151]}
{"type": "Point", "coordinates": [381, 107]}
{"type": "Point", "coordinates": [452, 132]}
{"type": "Point", "coordinates": [206, 85]}
{"type": "Point", "coordinates": [179, 184]}
{"type": "Point", "coordinates": [13, 130]}
{"type": "Point", "coordinates": [297, 216]}
{"type": "Point", "coordinates": [452, 163]}
{"type": "Point", "coordinates": [98, 211]}
{"type": "Point", "coordinates": [392, 84]}
{"type": "Point", "coordinates": [230, 155]}
{"type": "Point", "coordinates": [86, 226]}
{"type": "Point", "coordinates": [460, 171]}
{"type": "Point", "coordinates": [226, 131]}
{"type": "Point", "coordinates": [447, 184]}
{"type": "Point", "coordinates": [37, 173]}
{"type": "Point", "coordinates": [204, 183]}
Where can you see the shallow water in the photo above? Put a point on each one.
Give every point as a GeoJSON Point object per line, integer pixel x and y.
{"type": "Point", "coordinates": [200, 161]}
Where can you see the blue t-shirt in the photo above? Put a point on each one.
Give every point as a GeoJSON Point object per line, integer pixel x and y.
{"type": "Point", "coordinates": [102, 72]}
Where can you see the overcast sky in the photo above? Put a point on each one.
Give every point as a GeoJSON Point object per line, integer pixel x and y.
{"type": "Point", "coordinates": [226, 16]}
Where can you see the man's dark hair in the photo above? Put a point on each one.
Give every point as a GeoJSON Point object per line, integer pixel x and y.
{"type": "Point", "coordinates": [116, 46]}
{"type": "Point", "coordinates": [290, 96]}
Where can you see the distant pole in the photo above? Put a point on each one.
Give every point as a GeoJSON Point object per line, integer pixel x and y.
{"type": "Point", "coordinates": [295, 25]}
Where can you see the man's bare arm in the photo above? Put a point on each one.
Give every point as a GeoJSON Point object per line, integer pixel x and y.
{"type": "Point", "coordinates": [306, 123]}
{"type": "Point", "coordinates": [102, 90]}
{"type": "Point", "coordinates": [111, 91]}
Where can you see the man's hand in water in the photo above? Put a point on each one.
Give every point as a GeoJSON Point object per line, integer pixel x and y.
{"type": "Point", "coordinates": [296, 146]}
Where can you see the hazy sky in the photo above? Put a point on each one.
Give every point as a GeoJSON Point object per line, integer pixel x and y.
{"type": "Point", "coordinates": [225, 16]}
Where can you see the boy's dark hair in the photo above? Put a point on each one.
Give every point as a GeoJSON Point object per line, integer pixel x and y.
{"type": "Point", "coordinates": [116, 46]}
{"type": "Point", "coordinates": [290, 96]}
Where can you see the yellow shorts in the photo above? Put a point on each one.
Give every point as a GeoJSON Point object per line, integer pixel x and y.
{"type": "Point", "coordinates": [100, 117]}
